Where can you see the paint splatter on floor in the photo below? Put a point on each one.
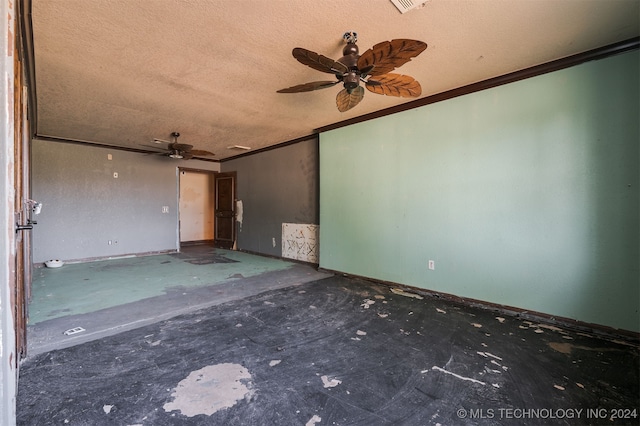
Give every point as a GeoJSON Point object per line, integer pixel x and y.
{"type": "Point", "coordinates": [210, 389]}
{"type": "Point", "coordinates": [313, 420]}
{"type": "Point", "coordinates": [330, 383]}
{"type": "Point", "coordinates": [405, 293]}
{"type": "Point", "coordinates": [366, 303]}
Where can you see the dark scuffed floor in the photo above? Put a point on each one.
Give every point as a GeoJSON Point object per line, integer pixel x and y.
{"type": "Point", "coordinates": [337, 351]}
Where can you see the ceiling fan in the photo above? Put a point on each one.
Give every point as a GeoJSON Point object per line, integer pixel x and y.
{"type": "Point", "coordinates": [181, 151]}
{"type": "Point", "coordinates": [372, 68]}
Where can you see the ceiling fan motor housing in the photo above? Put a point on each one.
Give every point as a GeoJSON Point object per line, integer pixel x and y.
{"type": "Point", "coordinates": [351, 79]}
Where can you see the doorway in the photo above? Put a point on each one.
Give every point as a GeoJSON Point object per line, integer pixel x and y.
{"type": "Point", "coordinates": [196, 206]}
{"type": "Point", "coordinates": [225, 208]}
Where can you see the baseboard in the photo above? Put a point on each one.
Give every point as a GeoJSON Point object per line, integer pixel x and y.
{"type": "Point", "coordinates": [609, 333]}
{"type": "Point", "coordinates": [196, 243]}
{"type": "Point", "coordinates": [255, 253]}
{"type": "Point", "coordinates": [99, 258]}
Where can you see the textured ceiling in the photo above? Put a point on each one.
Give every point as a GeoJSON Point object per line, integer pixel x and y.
{"type": "Point", "coordinates": [123, 72]}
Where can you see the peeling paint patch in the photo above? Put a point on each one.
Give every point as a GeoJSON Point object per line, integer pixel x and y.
{"type": "Point", "coordinates": [366, 303]}
{"type": "Point", "coordinates": [210, 389]}
{"type": "Point", "coordinates": [564, 348]}
{"type": "Point", "coordinates": [274, 362]}
{"type": "Point", "coordinates": [330, 383]}
{"type": "Point", "coordinates": [469, 379]}
{"type": "Point", "coordinates": [558, 387]}
{"type": "Point", "coordinates": [441, 311]}
{"type": "Point", "coordinates": [361, 333]}
{"type": "Point", "coordinates": [500, 319]}
{"type": "Point", "coordinates": [383, 315]}
{"type": "Point", "coordinates": [313, 420]}
{"type": "Point", "coordinates": [550, 327]}
{"type": "Point", "coordinates": [107, 408]}
{"type": "Point", "coordinates": [379, 296]}
{"type": "Point", "coordinates": [476, 325]}
{"type": "Point", "coordinates": [405, 293]}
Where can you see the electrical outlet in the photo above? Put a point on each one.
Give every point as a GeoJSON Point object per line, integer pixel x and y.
{"type": "Point", "coordinates": [432, 265]}
{"type": "Point", "coordinates": [165, 209]}
{"type": "Point", "coordinates": [109, 242]}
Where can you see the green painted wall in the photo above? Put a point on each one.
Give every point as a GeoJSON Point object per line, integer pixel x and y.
{"type": "Point", "coordinates": [524, 195]}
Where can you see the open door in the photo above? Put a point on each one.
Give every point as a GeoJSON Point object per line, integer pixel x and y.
{"type": "Point", "coordinates": [225, 206]}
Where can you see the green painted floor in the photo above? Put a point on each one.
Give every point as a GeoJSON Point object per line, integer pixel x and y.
{"type": "Point", "coordinates": [88, 287]}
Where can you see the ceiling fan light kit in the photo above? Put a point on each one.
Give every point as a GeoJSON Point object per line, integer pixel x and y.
{"type": "Point", "coordinates": [373, 68]}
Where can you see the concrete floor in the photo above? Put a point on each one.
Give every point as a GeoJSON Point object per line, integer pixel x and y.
{"type": "Point", "coordinates": [293, 346]}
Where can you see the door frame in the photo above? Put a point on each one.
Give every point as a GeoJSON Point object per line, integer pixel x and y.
{"type": "Point", "coordinates": [193, 170]}
{"type": "Point", "coordinates": [226, 243]}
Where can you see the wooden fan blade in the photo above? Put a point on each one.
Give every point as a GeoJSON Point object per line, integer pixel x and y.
{"type": "Point", "coordinates": [187, 155]}
{"type": "Point", "coordinates": [389, 55]}
{"type": "Point", "coordinates": [308, 87]}
{"type": "Point", "coordinates": [318, 62]}
{"type": "Point", "coordinates": [200, 152]}
{"type": "Point", "coordinates": [180, 146]}
{"type": "Point", "coordinates": [345, 100]}
{"type": "Point", "coordinates": [395, 85]}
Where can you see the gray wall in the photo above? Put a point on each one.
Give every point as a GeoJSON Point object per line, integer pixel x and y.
{"type": "Point", "coordinates": [84, 206]}
{"type": "Point", "coordinates": [277, 186]}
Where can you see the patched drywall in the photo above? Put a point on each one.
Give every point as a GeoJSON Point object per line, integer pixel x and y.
{"type": "Point", "coordinates": [300, 242]}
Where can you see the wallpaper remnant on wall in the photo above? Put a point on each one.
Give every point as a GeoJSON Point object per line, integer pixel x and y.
{"type": "Point", "coordinates": [300, 242]}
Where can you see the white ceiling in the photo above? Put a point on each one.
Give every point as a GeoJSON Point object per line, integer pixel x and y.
{"type": "Point", "coordinates": [123, 72]}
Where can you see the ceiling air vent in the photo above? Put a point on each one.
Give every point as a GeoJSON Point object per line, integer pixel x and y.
{"type": "Point", "coordinates": [406, 5]}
